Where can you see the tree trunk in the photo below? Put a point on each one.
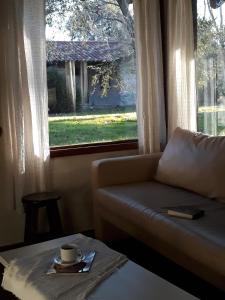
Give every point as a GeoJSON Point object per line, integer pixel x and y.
{"type": "Point", "coordinates": [125, 10]}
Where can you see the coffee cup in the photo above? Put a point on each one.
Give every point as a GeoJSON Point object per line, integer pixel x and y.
{"type": "Point", "coordinates": [70, 253]}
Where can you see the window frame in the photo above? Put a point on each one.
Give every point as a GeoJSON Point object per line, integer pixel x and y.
{"type": "Point", "coordinates": [92, 148]}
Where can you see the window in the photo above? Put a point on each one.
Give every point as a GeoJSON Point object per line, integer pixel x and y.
{"type": "Point", "coordinates": [91, 71]}
{"type": "Point", "coordinates": [211, 66]}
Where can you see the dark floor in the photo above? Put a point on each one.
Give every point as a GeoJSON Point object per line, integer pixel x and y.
{"type": "Point", "coordinates": [159, 265]}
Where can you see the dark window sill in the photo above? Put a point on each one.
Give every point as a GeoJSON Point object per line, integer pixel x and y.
{"type": "Point", "coordinates": [93, 148]}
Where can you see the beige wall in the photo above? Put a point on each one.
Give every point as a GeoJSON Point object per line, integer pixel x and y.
{"type": "Point", "coordinates": [70, 176]}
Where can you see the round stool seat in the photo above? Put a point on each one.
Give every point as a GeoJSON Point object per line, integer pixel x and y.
{"type": "Point", "coordinates": [38, 198]}
{"type": "Point", "coordinates": [31, 204]}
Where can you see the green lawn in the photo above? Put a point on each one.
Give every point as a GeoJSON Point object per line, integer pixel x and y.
{"type": "Point", "coordinates": [103, 126]}
{"type": "Point", "coordinates": [67, 130]}
{"type": "Point", "coordinates": [209, 120]}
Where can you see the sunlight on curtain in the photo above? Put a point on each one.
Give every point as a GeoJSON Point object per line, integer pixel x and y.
{"type": "Point", "coordinates": [150, 95]}
{"type": "Point", "coordinates": [181, 66]}
{"type": "Point", "coordinates": [23, 100]}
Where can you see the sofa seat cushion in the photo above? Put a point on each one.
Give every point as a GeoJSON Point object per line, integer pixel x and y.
{"type": "Point", "coordinates": [142, 204]}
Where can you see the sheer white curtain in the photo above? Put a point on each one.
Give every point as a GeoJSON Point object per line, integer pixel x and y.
{"type": "Point", "coordinates": [150, 95]}
{"type": "Point", "coordinates": [181, 98]}
{"type": "Point", "coordinates": [23, 100]}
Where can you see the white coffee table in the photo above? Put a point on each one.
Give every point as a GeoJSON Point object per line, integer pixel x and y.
{"type": "Point", "coordinates": [130, 282]}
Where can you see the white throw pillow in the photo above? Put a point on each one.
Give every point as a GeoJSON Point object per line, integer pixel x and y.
{"type": "Point", "coordinates": [195, 162]}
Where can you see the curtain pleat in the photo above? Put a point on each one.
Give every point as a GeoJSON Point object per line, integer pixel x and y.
{"type": "Point", "coordinates": [150, 86]}
{"type": "Point", "coordinates": [181, 89]}
{"type": "Point", "coordinates": [179, 67]}
{"type": "Point", "coordinates": [23, 100]}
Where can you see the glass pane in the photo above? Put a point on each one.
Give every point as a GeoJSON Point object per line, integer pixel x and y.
{"type": "Point", "coordinates": [91, 71]}
{"type": "Point", "coordinates": [211, 68]}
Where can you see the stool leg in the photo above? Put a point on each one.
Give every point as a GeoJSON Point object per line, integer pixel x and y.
{"type": "Point", "coordinates": [55, 225]}
{"type": "Point", "coordinates": [31, 224]}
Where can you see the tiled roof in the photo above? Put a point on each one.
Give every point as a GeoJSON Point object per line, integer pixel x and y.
{"type": "Point", "coordinates": [87, 51]}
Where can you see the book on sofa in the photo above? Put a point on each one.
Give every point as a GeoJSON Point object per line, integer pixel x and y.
{"type": "Point", "coordinates": [185, 211]}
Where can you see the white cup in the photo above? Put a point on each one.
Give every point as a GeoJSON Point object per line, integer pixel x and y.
{"type": "Point", "coordinates": [70, 253]}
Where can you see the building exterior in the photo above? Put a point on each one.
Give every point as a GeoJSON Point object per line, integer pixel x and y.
{"type": "Point", "coordinates": [80, 66]}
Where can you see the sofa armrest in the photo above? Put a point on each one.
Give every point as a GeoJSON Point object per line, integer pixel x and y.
{"type": "Point", "coordinates": [128, 169]}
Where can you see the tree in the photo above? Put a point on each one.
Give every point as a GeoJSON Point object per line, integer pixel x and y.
{"type": "Point", "coordinates": [206, 49]}
{"type": "Point", "coordinates": [211, 50]}
{"type": "Point", "coordinates": [91, 19]}
{"type": "Point", "coordinates": [102, 20]}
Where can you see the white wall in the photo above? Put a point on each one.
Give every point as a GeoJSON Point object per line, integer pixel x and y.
{"type": "Point", "coordinates": [71, 177]}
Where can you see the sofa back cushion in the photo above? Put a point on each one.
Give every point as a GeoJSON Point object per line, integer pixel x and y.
{"type": "Point", "coordinates": [195, 162]}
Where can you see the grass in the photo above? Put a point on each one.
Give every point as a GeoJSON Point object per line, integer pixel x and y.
{"type": "Point", "coordinates": [211, 120]}
{"type": "Point", "coordinates": [116, 125]}
{"type": "Point", "coordinates": [91, 128]}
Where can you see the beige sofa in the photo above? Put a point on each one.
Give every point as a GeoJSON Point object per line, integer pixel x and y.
{"type": "Point", "coordinates": [126, 197]}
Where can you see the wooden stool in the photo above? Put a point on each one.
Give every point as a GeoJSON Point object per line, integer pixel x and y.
{"type": "Point", "coordinates": [31, 204]}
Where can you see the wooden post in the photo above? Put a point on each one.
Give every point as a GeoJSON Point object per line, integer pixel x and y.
{"type": "Point", "coordinates": [70, 68]}
{"type": "Point", "coordinates": [210, 118]}
{"type": "Point", "coordinates": [84, 83]}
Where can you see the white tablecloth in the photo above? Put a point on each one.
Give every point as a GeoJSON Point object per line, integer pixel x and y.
{"type": "Point", "coordinates": [26, 277]}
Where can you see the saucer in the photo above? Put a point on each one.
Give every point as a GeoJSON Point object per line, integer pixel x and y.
{"type": "Point", "coordinates": [59, 261]}
{"type": "Point", "coordinates": [79, 267]}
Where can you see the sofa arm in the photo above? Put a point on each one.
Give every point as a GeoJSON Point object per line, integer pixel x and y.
{"type": "Point", "coordinates": [128, 169]}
